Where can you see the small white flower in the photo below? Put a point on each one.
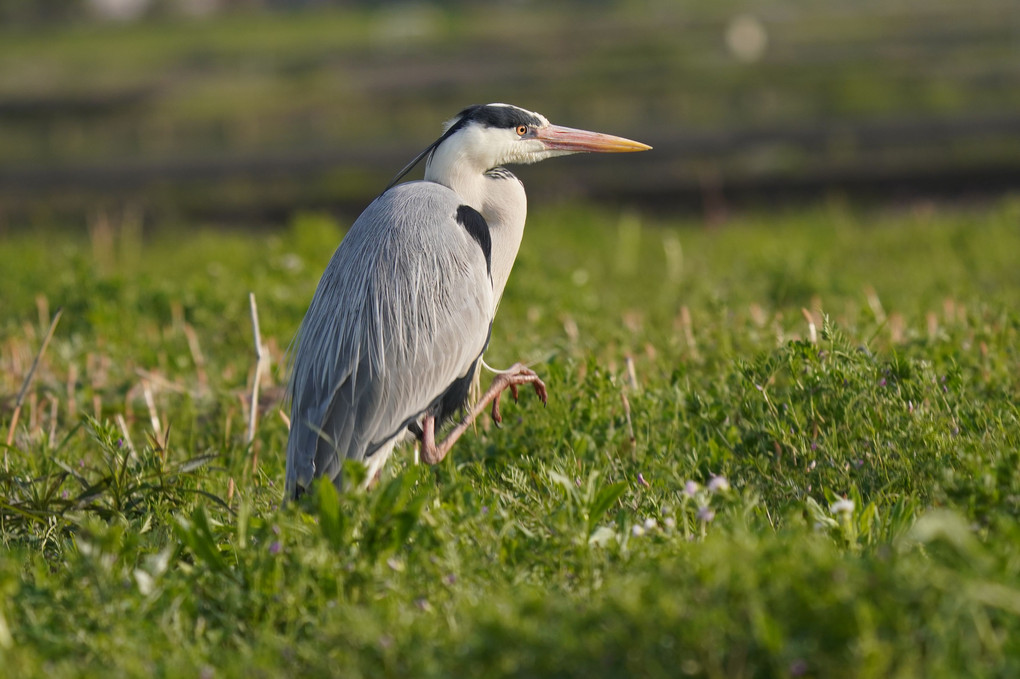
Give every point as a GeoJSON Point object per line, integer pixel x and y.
{"type": "Point", "coordinates": [842, 507]}
{"type": "Point", "coordinates": [718, 484]}
{"type": "Point", "coordinates": [691, 488]}
{"type": "Point", "coordinates": [637, 530]}
{"type": "Point", "coordinates": [669, 522]}
{"type": "Point", "coordinates": [706, 514]}
{"type": "Point", "coordinates": [145, 583]}
{"type": "Point", "coordinates": [650, 524]}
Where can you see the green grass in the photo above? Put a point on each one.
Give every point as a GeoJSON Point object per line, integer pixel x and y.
{"type": "Point", "coordinates": [559, 545]}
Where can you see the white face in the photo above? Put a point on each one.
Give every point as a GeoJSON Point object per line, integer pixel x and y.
{"type": "Point", "coordinates": [487, 147]}
{"type": "Point", "coordinates": [491, 143]}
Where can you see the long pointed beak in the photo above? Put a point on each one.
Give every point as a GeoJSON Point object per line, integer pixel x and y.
{"type": "Point", "coordinates": [557, 138]}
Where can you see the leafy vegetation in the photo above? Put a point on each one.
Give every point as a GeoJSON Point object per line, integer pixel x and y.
{"type": "Point", "coordinates": [784, 447]}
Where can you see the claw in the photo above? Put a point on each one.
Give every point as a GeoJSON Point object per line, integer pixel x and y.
{"type": "Point", "coordinates": [513, 390]}
{"type": "Point", "coordinates": [496, 417]}
{"type": "Point", "coordinates": [541, 391]}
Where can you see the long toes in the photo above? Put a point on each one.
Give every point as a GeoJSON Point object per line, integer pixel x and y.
{"type": "Point", "coordinates": [541, 391]}
{"type": "Point", "coordinates": [513, 390]}
{"type": "Point", "coordinates": [523, 375]}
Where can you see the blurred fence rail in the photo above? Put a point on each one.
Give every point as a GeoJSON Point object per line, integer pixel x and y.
{"type": "Point", "coordinates": [261, 114]}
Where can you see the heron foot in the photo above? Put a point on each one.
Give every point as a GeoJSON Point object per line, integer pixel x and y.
{"type": "Point", "coordinates": [517, 375]}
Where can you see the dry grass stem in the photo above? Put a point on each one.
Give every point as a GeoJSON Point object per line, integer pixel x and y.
{"type": "Point", "coordinates": [260, 365]}
{"type": "Point", "coordinates": [54, 408]}
{"type": "Point", "coordinates": [812, 329]}
{"type": "Point", "coordinates": [126, 434]}
{"type": "Point", "coordinates": [933, 325]}
{"type": "Point", "coordinates": [42, 305]}
{"type": "Point", "coordinates": [571, 329]}
{"type": "Point", "coordinates": [72, 383]}
{"type": "Point", "coordinates": [631, 373]}
{"type": "Point", "coordinates": [897, 328]}
{"type": "Point", "coordinates": [150, 403]}
{"type": "Point", "coordinates": [196, 354]}
{"type": "Point", "coordinates": [630, 423]}
{"type": "Point", "coordinates": [28, 379]}
{"type": "Point", "coordinates": [875, 304]}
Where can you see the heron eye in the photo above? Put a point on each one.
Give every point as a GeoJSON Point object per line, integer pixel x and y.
{"type": "Point", "coordinates": [522, 130]}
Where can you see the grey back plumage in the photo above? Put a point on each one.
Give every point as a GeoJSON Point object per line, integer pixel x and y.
{"type": "Point", "coordinates": [402, 311]}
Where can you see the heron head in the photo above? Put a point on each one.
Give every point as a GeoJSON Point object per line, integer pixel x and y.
{"type": "Point", "coordinates": [490, 135]}
{"type": "Point", "coordinates": [482, 137]}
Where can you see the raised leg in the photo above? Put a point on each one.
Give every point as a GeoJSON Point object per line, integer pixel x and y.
{"type": "Point", "coordinates": [516, 375]}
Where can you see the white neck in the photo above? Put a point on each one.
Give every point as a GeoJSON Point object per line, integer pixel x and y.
{"type": "Point", "coordinates": [500, 198]}
{"type": "Point", "coordinates": [455, 166]}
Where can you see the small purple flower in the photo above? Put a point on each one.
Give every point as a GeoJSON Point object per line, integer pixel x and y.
{"type": "Point", "coordinates": [485, 510]}
{"type": "Point", "coordinates": [641, 480]}
{"type": "Point", "coordinates": [691, 488]}
{"type": "Point", "coordinates": [449, 579]}
{"type": "Point", "coordinates": [120, 443]}
{"type": "Point", "coordinates": [798, 668]}
{"type": "Point", "coordinates": [705, 514]}
{"type": "Point", "coordinates": [275, 547]}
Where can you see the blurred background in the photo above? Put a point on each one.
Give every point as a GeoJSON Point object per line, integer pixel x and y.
{"type": "Point", "coordinates": [249, 111]}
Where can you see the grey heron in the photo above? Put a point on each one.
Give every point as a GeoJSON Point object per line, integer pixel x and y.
{"type": "Point", "coordinates": [399, 321]}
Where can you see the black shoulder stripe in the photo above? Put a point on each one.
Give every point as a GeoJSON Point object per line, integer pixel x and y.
{"type": "Point", "coordinates": [472, 220]}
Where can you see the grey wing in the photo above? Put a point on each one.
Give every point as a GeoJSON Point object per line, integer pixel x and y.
{"type": "Point", "coordinates": [402, 311]}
